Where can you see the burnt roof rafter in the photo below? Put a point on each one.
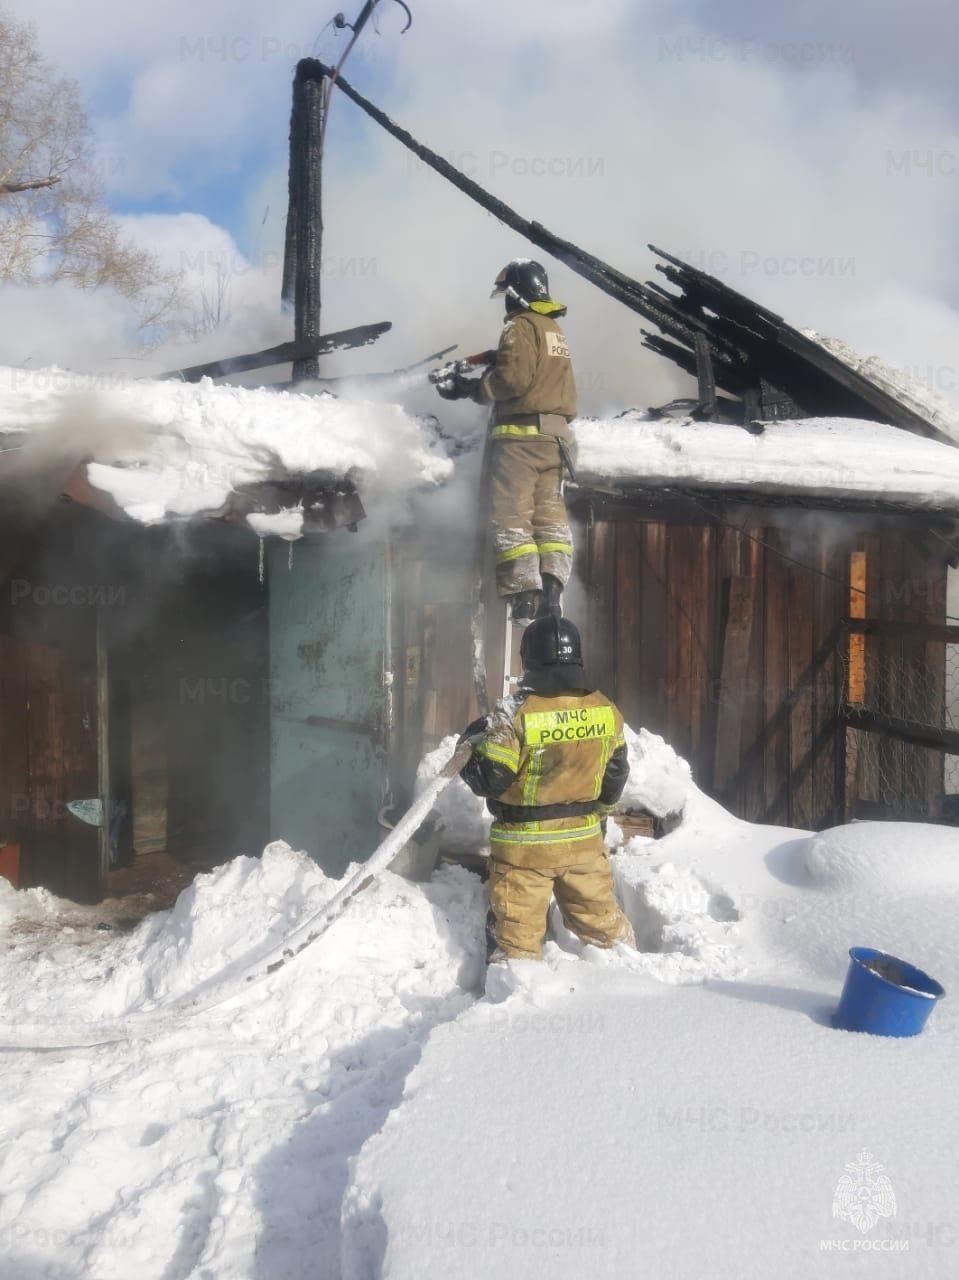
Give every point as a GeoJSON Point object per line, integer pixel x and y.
{"type": "Point", "coordinates": [740, 334]}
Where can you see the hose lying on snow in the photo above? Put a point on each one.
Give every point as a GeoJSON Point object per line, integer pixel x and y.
{"type": "Point", "coordinates": [219, 990]}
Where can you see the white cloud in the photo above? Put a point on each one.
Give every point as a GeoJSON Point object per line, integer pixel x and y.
{"type": "Point", "coordinates": [614, 125]}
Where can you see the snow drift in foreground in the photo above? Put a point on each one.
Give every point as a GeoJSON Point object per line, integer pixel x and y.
{"type": "Point", "coordinates": [176, 449]}
{"type": "Point", "coordinates": [829, 457]}
{"type": "Point", "coordinates": [220, 1150]}
{"type": "Point", "coordinates": [365, 1113]}
{"type": "Point", "coordinates": [637, 1122]}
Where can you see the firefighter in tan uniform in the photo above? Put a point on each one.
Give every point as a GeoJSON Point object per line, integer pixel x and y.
{"type": "Point", "coordinates": [533, 397]}
{"type": "Point", "coordinates": [552, 763]}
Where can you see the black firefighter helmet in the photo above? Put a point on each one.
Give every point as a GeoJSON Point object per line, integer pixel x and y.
{"type": "Point", "coordinates": [552, 655]}
{"type": "Point", "coordinates": [523, 281]}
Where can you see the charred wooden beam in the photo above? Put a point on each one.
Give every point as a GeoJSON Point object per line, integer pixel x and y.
{"type": "Point", "coordinates": [302, 267]}
{"type": "Point", "coordinates": [752, 404]}
{"type": "Point", "coordinates": [917, 735]}
{"type": "Point", "coordinates": [740, 331]}
{"type": "Point", "coordinates": [732, 378]}
{"type": "Point", "coordinates": [343, 340]}
{"type": "Point", "coordinates": [705, 377]}
{"type": "Point", "coordinates": [672, 315]}
{"type": "Point", "coordinates": [739, 303]}
{"type": "Point", "coordinates": [804, 370]}
{"type": "Point", "coordinates": [671, 351]}
{"type": "Point", "coordinates": [926, 631]}
{"type": "Point", "coordinates": [615, 283]}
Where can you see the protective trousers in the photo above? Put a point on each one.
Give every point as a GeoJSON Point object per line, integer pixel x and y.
{"type": "Point", "coordinates": [519, 898]}
{"type": "Point", "coordinates": [531, 534]}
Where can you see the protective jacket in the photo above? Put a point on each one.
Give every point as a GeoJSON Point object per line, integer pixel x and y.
{"type": "Point", "coordinates": [549, 766]}
{"type": "Point", "coordinates": [533, 373]}
{"type": "Point", "coordinates": [533, 392]}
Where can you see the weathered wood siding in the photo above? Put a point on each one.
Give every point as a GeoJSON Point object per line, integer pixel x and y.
{"type": "Point", "coordinates": [904, 678]}
{"type": "Point", "coordinates": [48, 756]}
{"type": "Point", "coordinates": [656, 624]}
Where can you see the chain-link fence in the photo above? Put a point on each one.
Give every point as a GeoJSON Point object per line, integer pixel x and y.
{"type": "Point", "coordinates": [952, 715]}
{"type": "Point", "coordinates": [900, 702]}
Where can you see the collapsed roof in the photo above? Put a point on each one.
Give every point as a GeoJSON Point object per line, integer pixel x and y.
{"type": "Point", "coordinates": [721, 337]}
{"type": "Point", "coordinates": [790, 374]}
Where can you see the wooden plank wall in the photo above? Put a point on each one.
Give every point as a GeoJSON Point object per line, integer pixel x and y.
{"type": "Point", "coordinates": [654, 622]}
{"type": "Point", "coordinates": [433, 688]}
{"type": "Point", "coordinates": [47, 757]}
{"type": "Point", "coordinates": [651, 596]}
{"type": "Point", "coordinates": [904, 678]}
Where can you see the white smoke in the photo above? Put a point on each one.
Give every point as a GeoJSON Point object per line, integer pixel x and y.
{"type": "Point", "coordinates": [809, 173]}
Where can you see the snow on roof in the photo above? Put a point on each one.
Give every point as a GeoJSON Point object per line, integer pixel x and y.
{"type": "Point", "coordinates": [913, 395]}
{"type": "Point", "coordinates": [167, 449]}
{"type": "Point", "coordinates": [839, 458]}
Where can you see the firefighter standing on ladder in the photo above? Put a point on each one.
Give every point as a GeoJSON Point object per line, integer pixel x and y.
{"type": "Point", "coordinates": [533, 394]}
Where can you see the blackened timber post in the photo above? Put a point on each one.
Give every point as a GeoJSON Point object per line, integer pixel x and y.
{"type": "Point", "coordinates": [705, 377]}
{"type": "Point", "coordinates": [302, 265]}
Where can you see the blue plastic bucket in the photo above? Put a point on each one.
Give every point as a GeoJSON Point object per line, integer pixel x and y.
{"type": "Point", "coordinates": [884, 995]}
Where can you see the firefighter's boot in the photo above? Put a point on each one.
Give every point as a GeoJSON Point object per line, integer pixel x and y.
{"type": "Point", "coordinates": [551, 601]}
{"type": "Point", "coordinates": [523, 607]}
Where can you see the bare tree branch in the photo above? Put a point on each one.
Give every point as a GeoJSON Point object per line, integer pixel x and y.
{"type": "Point", "coordinates": [60, 227]}
{"type": "Point", "coordinates": [10, 186]}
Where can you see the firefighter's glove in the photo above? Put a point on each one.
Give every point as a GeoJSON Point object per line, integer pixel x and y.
{"type": "Point", "coordinates": [456, 387]}
{"type": "Point", "coordinates": [475, 730]}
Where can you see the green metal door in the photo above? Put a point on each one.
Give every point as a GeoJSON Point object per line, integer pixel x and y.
{"type": "Point", "coordinates": [329, 695]}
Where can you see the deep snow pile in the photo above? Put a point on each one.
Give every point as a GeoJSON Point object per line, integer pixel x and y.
{"type": "Point", "coordinates": [220, 1149]}
{"type": "Point", "coordinates": [175, 449]}
{"type": "Point", "coordinates": [364, 1112]}
{"type": "Point", "coordinates": [832, 457]}
{"type": "Point", "coordinates": [640, 1127]}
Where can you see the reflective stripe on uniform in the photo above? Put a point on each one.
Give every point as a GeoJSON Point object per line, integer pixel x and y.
{"type": "Point", "coordinates": [578, 724]}
{"type": "Point", "coordinates": [516, 553]}
{"type": "Point", "coordinates": [508, 429]}
{"type": "Point", "coordinates": [501, 834]}
{"type": "Point", "coordinates": [547, 548]}
{"type": "Point", "coordinates": [607, 750]}
{"type": "Point", "coordinates": [534, 772]}
{"type": "Point", "coordinates": [501, 754]}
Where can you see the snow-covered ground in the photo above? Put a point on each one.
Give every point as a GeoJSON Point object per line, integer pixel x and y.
{"type": "Point", "coordinates": [220, 1149]}
{"type": "Point", "coordinates": [367, 1111]}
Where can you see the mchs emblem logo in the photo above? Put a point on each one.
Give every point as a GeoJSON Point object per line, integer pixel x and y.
{"type": "Point", "coordinates": [864, 1194]}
